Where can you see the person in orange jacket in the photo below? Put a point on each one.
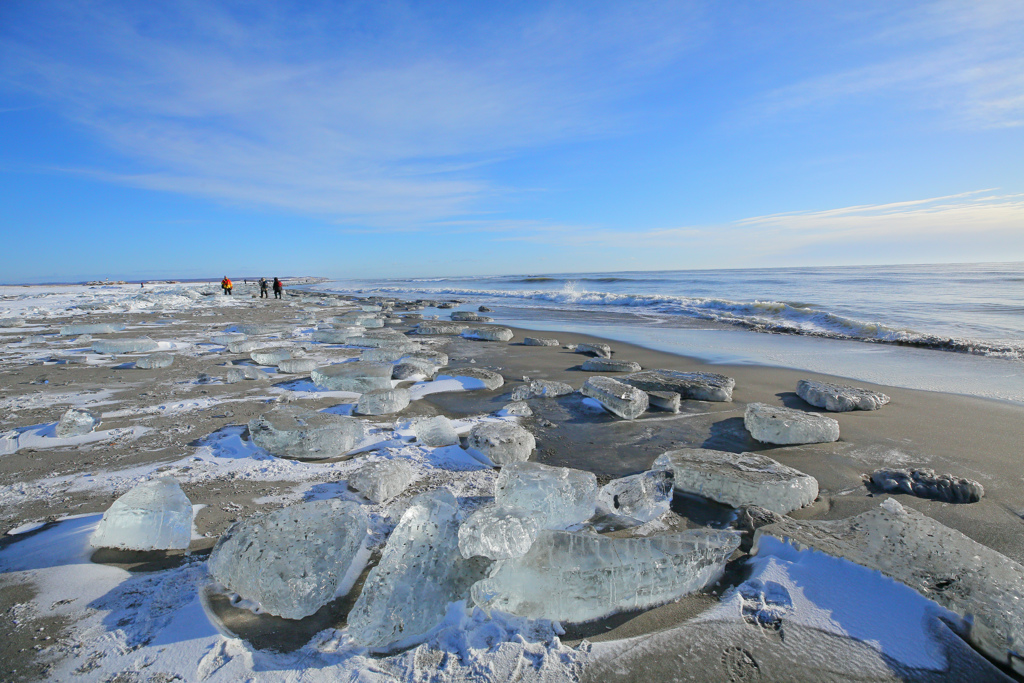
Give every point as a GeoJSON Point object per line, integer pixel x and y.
{"type": "Point", "coordinates": [226, 285]}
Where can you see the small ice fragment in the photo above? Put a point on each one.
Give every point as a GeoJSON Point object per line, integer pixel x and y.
{"type": "Point", "coordinates": [358, 376]}
{"type": "Point", "coordinates": [297, 433]}
{"type": "Point", "coordinates": [577, 577]}
{"type": "Point", "coordinates": [599, 350]}
{"type": "Point", "coordinates": [924, 483]}
{"type": "Point", "coordinates": [536, 341]}
{"type": "Point", "coordinates": [517, 409]}
{"type": "Point", "coordinates": [238, 373]}
{"type": "Point", "coordinates": [383, 401]}
{"type": "Point", "coordinates": [773, 424]}
{"type": "Point", "coordinates": [155, 515]}
{"type": "Point", "coordinates": [270, 356]}
{"type": "Point", "coordinates": [622, 399]}
{"type": "Point", "coordinates": [562, 496]}
{"type": "Point", "coordinates": [837, 398]}
{"type": "Point", "coordinates": [226, 338]}
{"type": "Point", "coordinates": [75, 422]}
{"type": "Point", "coordinates": [502, 442]}
{"type": "Point", "coordinates": [608, 365]}
{"type": "Point", "coordinates": [382, 481]}
{"type": "Point", "coordinates": [541, 388]}
{"type": "Point", "coordinates": [664, 400]}
{"type": "Point", "coordinates": [642, 497]}
{"type": "Point", "coordinates": [295, 560]}
{"type": "Point", "coordinates": [140, 345]}
{"type": "Point", "coordinates": [437, 327]}
{"type": "Point", "coordinates": [699, 386]}
{"type": "Point", "coordinates": [155, 361]}
{"type": "Point", "coordinates": [498, 532]}
{"type": "Point", "coordinates": [435, 432]}
{"type": "Point", "coordinates": [297, 365]}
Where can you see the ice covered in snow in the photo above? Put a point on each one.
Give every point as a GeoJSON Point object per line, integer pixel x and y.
{"type": "Point", "coordinates": [541, 388]}
{"type": "Point", "coordinates": [228, 338]}
{"type": "Point", "coordinates": [837, 398]}
{"type": "Point", "coordinates": [609, 365]}
{"type": "Point", "coordinates": [382, 481]}
{"type": "Point", "coordinates": [502, 442]}
{"type": "Point", "coordinates": [140, 345]}
{"type": "Point", "coordinates": [940, 563]}
{"type": "Point", "coordinates": [156, 360]}
{"type": "Point", "coordinates": [491, 333]}
{"type": "Point", "coordinates": [621, 399]}
{"type": "Point", "coordinates": [537, 341]}
{"type": "Point", "coordinates": [739, 479]}
{"type": "Point", "coordinates": [437, 327]}
{"type": "Point", "coordinates": [925, 483]}
{"type": "Point", "coordinates": [435, 432]}
{"type": "Point", "coordinates": [488, 378]}
{"type": "Point", "coordinates": [774, 424]}
{"type": "Point", "coordinates": [295, 560]}
{"type": "Point", "coordinates": [699, 386]}
{"type": "Point", "coordinates": [358, 376]}
{"type": "Point", "coordinates": [420, 572]}
{"type": "Point", "coordinates": [599, 350]}
{"type": "Point", "coordinates": [499, 532]}
{"type": "Point", "coordinates": [664, 400]}
{"type": "Point", "coordinates": [90, 328]}
{"type": "Point", "coordinates": [237, 373]}
{"type": "Point", "coordinates": [576, 577]}
{"type": "Point", "coordinates": [297, 433]}
{"type": "Point", "coordinates": [297, 365]}
{"type": "Point", "coordinates": [383, 401]}
{"type": "Point", "coordinates": [271, 356]}
{"type": "Point", "coordinates": [642, 497]}
{"type": "Point", "coordinates": [517, 409]}
{"type": "Point", "coordinates": [561, 495]}
{"type": "Point", "coordinates": [155, 515]}
{"type": "Point", "coordinates": [75, 422]}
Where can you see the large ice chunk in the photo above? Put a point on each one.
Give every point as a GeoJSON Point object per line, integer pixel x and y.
{"type": "Point", "coordinates": [642, 497]}
{"type": "Point", "coordinates": [155, 515]}
{"type": "Point", "coordinates": [940, 563]}
{"type": "Point", "coordinates": [437, 327]}
{"type": "Point", "coordinates": [599, 350]}
{"type": "Point", "coordinates": [383, 401]}
{"type": "Point", "coordinates": [499, 532]}
{"type": "Point", "coordinates": [435, 432]}
{"type": "Point", "coordinates": [358, 376]}
{"type": "Point", "coordinates": [154, 361]}
{"type": "Point", "coordinates": [574, 577]}
{"type": "Point", "coordinates": [541, 388]}
{"type": "Point", "coordinates": [297, 365]}
{"type": "Point", "coordinates": [490, 333]}
{"type": "Point", "coordinates": [625, 401]}
{"type": "Point", "coordinates": [700, 386]}
{"type": "Point", "coordinates": [226, 338]}
{"type": "Point", "coordinates": [297, 433]}
{"type": "Point", "coordinates": [270, 356]}
{"type": "Point", "coordinates": [75, 422]}
{"type": "Point", "coordinates": [537, 341]}
{"type": "Point", "coordinates": [773, 424]}
{"type": "Point", "coordinates": [739, 479]}
{"type": "Point", "coordinates": [244, 346]}
{"type": "Point", "coordinates": [387, 353]}
{"type": "Point", "coordinates": [561, 495]}
{"type": "Point", "coordinates": [382, 481]}
{"type": "Point", "coordinates": [837, 398]}
{"type": "Point", "coordinates": [502, 442]}
{"type": "Point", "coordinates": [295, 560]}
{"type": "Point", "coordinates": [925, 483]}
{"type": "Point", "coordinates": [490, 379]}
{"type": "Point", "coordinates": [140, 345]}
{"type": "Point", "coordinates": [410, 367]}
{"type": "Point", "coordinates": [420, 572]}
{"type": "Point", "coordinates": [88, 328]}
{"type": "Point", "coordinates": [609, 365]}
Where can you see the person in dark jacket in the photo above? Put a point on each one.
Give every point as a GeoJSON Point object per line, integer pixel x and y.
{"type": "Point", "coordinates": [278, 288]}
{"type": "Point", "coordinates": [264, 294]}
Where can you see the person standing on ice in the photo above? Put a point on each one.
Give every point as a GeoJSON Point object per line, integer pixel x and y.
{"type": "Point", "coordinates": [226, 285]}
{"type": "Point", "coordinates": [264, 294]}
{"type": "Point", "coordinates": [278, 288]}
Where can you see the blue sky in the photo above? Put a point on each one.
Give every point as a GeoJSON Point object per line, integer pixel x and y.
{"type": "Point", "coordinates": [381, 139]}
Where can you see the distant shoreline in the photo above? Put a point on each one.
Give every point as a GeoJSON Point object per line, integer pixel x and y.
{"type": "Point", "coordinates": [293, 279]}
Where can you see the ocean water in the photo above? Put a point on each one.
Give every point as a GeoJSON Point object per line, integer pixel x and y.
{"type": "Point", "coordinates": [950, 327]}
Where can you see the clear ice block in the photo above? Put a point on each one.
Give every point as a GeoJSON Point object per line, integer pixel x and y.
{"type": "Point", "coordinates": [297, 365]}
{"type": "Point", "coordinates": [296, 433]}
{"type": "Point", "coordinates": [562, 496]}
{"type": "Point", "coordinates": [155, 361]}
{"type": "Point", "coordinates": [90, 328]}
{"type": "Point", "coordinates": [238, 373]}
{"type": "Point", "coordinates": [244, 346]}
{"type": "Point", "coordinates": [383, 401]}
{"type": "Point", "coordinates": [270, 356]}
{"type": "Point", "coordinates": [502, 442]}
{"type": "Point", "coordinates": [387, 353]}
{"type": "Point", "coordinates": [295, 560]}
{"type": "Point", "coordinates": [75, 422]}
{"type": "Point", "coordinates": [542, 388]}
{"type": "Point", "coordinates": [226, 338]}
{"type": "Point", "coordinates": [382, 481]}
{"type": "Point", "coordinates": [499, 532]}
{"type": "Point", "coordinates": [140, 345]}
{"type": "Point", "coordinates": [409, 367]}
{"type": "Point", "coordinates": [155, 515]}
{"type": "Point", "coordinates": [436, 327]}
{"type": "Point", "coordinates": [621, 399]}
{"type": "Point", "coordinates": [772, 424]}
{"type": "Point", "coordinates": [500, 334]}
{"type": "Point", "coordinates": [699, 386]}
{"type": "Point", "coordinates": [576, 577]}
{"type": "Point", "coordinates": [357, 376]}
{"type": "Point", "coordinates": [435, 432]}
{"type": "Point", "coordinates": [642, 497]}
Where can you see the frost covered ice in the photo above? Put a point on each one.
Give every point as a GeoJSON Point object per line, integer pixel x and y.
{"type": "Point", "coordinates": [773, 424]}
{"type": "Point", "coordinates": [435, 327]}
{"type": "Point", "coordinates": [297, 433]}
{"type": "Point", "coordinates": [382, 481]}
{"type": "Point", "coordinates": [608, 365]}
{"type": "Point", "coordinates": [140, 345]}
{"type": "Point", "coordinates": [502, 442]}
{"type": "Point", "coordinates": [925, 483]}
{"type": "Point", "coordinates": [575, 577]}
{"type": "Point", "coordinates": [420, 572]}
{"type": "Point", "coordinates": [739, 479]}
{"type": "Point", "coordinates": [562, 496]}
{"type": "Point", "coordinates": [155, 515]}
{"type": "Point", "coordinates": [383, 401]}
{"type": "Point", "coordinates": [499, 532]}
{"type": "Point", "coordinates": [270, 356]}
{"type": "Point", "coordinates": [490, 379]}
{"type": "Point", "coordinates": [621, 399]}
{"type": "Point", "coordinates": [297, 365]}
{"type": "Point", "coordinates": [599, 350]}
{"type": "Point", "coordinates": [435, 432]}
{"type": "Point", "coordinates": [409, 367]}
{"type": "Point", "coordinates": [358, 376]}
{"type": "Point", "coordinates": [75, 422]}
{"type": "Point", "coordinates": [155, 360]}
{"type": "Point", "coordinates": [664, 400]}
{"type": "Point", "coordinates": [699, 386]}
{"type": "Point", "coordinates": [836, 398]}
{"type": "Point", "coordinates": [295, 560]}
{"type": "Point", "coordinates": [541, 388]}
{"type": "Point", "coordinates": [641, 497]}
{"type": "Point", "coordinates": [940, 563]}
{"type": "Point", "coordinates": [537, 341]}
{"type": "Point", "coordinates": [499, 334]}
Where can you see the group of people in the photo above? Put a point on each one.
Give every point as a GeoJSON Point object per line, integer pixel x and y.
{"type": "Point", "coordinates": [278, 287]}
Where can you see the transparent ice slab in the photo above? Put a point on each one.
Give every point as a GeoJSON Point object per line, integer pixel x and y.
{"type": "Point", "coordinates": [357, 376]}
{"type": "Point", "coordinates": [499, 532]}
{"type": "Point", "coordinates": [563, 496]}
{"type": "Point", "coordinates": [140, 345]}
{"type": "Point", "coordinates": [773, 424]}
{"type": "Point", "coordinates": [297, 433]}
{"type": "Point", "coordinates": [502, 442]}
{"type": "Point", "coordinates": [383, 401]}
{"type": "Point", "coordinates": [155, 515]}
{"type": "Point", "coordinates": [155, 360]}
{"type": "Point", "coordinates": [382, 481]}
{"type": "Point", "coordinates": [642, 497]}
{"type": "Point", "coordinates": [75, 422]}
{"type": "Point", "coordinates": [435, 432]}
{"type": "Point", "coordinates": [621, 399]}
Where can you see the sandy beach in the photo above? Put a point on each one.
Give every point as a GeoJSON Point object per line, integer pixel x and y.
{"type": "Point", "coordinates": [186, 421]}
